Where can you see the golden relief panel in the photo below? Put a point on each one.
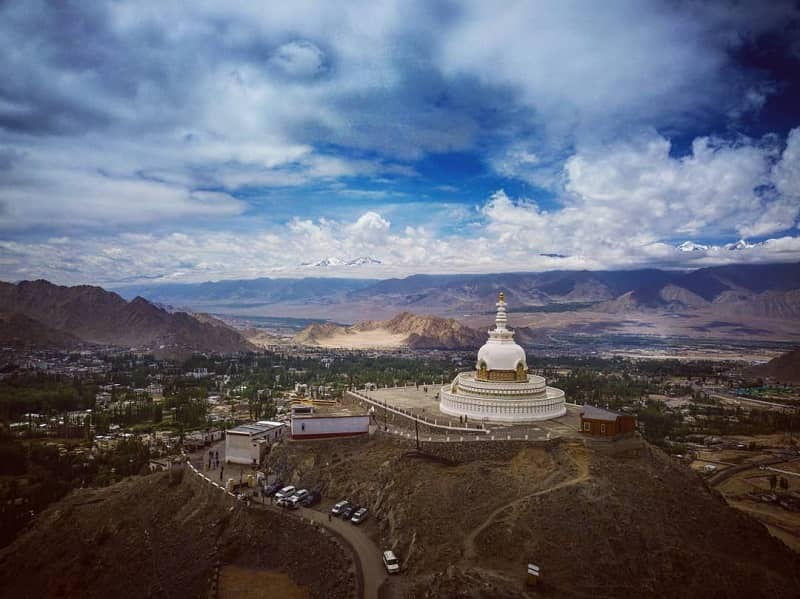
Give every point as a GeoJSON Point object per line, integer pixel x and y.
{"type": "Point", "coordinates": [502, 375]}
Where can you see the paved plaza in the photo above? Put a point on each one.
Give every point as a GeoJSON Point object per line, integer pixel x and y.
{"type": "Point", "coordinates": [421, 402]}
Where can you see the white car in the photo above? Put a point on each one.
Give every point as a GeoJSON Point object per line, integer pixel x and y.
{"type": "Point", "coordinates": [359, 516]}
{"type": "Point", "coordinates": [293, 502]}
{"type": "Point", "coordinates": [391, 562]}
{"type": "Point", "coordinates": [337, 509]}
{"type": "Point", "coordinates": [285, 493]}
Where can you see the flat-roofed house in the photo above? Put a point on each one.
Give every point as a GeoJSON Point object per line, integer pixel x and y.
{"type": "Point", "coordinates": [322, 422]}
{"type": "Point", "coordinates": [606, 423]}
{"type": "Point", "coordinates": [248, 443]}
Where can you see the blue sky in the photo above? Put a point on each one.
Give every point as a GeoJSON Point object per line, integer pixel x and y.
{"type": "Point", "coordinates": [194, 141]}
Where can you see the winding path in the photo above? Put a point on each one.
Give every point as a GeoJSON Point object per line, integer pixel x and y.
{"type": "Point", "coordinates": [372, 571]}
{"type": "Point", "coordinates": [470, 551]}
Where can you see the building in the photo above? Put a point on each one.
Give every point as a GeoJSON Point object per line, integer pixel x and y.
{"type": "Point", "coordinates": [248, 443]}
{"type": "Point", "coordinates": [321, 422]}
{"type": "Point", "coordinates": [500, 389]}
{"type": "Point", "coordinates": [598, 422]}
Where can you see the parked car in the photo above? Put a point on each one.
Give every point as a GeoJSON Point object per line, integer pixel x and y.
{"type": "Point", "coordinates": [359, 516]}
{"type": "Point", "coordinates": [273, 488]}
{"type": "Point", "coordinates": [337, 509]}
{"type": "Point", "coordinates": [391, 562]}
{"type": "Point", "coordinates": [293, 502]}
{"type": "Point", "coordinates": [313, 498]}
{"type": "Point", "coordinates": [285, 493]}
{"type": "Point", "coordinates": [351, 509]}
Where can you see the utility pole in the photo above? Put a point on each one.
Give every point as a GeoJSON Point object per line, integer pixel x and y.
{"type": "Point", "coordinates": [416, 431]}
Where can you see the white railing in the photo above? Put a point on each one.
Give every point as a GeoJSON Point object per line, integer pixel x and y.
{"type": "Point", "coordinates": [400, 412]}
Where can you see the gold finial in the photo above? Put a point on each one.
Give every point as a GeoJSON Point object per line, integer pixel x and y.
{"type": "Point", "coordinates": [502, 297]}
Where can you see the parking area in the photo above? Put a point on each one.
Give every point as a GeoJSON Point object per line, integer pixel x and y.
{"type": "Point", "coordinates": [358, 535]}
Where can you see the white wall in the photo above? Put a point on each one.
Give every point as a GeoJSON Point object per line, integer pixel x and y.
{"type": "Point", "coordinates": [240, 449]}
{"type": "Point", "coordinates": [321, 426]}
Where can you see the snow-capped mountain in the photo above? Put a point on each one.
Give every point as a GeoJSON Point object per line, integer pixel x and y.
{"type": "Point", "coordinates": [691, 246]}
{"type": "Point", "coordinates": [334, 261]}
{"type": "Point", "coordinates": [361, 261]}
{"type": "Point", "coordinates": [740, 245]}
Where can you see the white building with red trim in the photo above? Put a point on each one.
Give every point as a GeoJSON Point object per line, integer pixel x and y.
{"type": "Point", "coordinates": [327, 422]}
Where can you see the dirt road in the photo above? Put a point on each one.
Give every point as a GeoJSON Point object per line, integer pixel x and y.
{"type": "Point", "coordinates": [372, 570]}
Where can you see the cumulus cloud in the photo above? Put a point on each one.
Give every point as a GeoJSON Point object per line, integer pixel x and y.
{"type": "Point", "coordinates": [370, 228]}
{"type": "Point", "coordinates": [200, 136]}
{"type": "Point", "coordinates": [298, 59]}
{"type": "Point", "coordinates": [629, 201]}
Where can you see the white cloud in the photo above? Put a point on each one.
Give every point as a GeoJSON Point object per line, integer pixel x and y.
{"type": "Point", "coordinates": [68, 198]}
{"type": "Point", "coordinates": [370, 228]}
{"type": "Point", "coordinates": [299, 58]}
{"type": "Point", "coordinates": [786, 172]}
{"type": "Point", "coordinates": [626, 203]}
{"type": "Point", "coordinates": [155, 106]}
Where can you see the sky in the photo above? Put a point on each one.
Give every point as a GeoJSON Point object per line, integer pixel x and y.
{"type": "Point", "coordinates": [192, 141]}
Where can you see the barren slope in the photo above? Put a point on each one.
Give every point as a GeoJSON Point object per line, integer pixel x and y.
{"type": "Point", "coordinates": [145, 538]}
{"type": "Point", "coordinates": [598, 526]}
{"type": "Point", "coordinates": [404, 330]}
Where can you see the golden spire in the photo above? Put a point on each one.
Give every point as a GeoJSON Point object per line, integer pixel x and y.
{"type": "Point", "coordinates": [502, 297]}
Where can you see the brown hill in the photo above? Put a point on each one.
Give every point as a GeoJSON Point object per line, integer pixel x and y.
{"type": "Point", "coordinates": [406, 329]}
{"type": "Point", "coordinates": [21, 332]}
{"type": "Point", "coordinates": [317, 331]}
{"type": "Point", "coordinates": [98, 316]}
{"type": "Point", "coordinates": [769, 304]}
{"type": "Point", "coordinates": [784, 368]}
{"type": "Point", "coordinates": [465, 521]}
{"type": "Point", "coordinates": [146, 538]}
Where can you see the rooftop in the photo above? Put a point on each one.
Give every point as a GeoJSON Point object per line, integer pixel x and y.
{"type": "Point", "coordinates": [253, 428]}
{"type": "Point", "coordinates": [595, 413]}
{"type": "Point", "coordinates": [332, 411]}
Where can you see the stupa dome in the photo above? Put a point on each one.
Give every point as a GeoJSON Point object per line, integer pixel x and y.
{"type": "Point", "coordinates": [500, 389]}
{"type": "Point", "coordinates": [500, 358]}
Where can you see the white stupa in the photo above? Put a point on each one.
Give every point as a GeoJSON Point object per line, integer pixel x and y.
{"type": "Point", "coordinates": [500, 388]}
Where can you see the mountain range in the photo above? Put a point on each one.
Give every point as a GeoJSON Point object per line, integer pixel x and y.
{"type": "Point", "coordinates": [334, 261]}
{"type": "Point", "coordinates": [245, 292]}
{"type": "Point", "coordinates": [766, 290]}
{"type": "Point", "coordinates": [723, 301]}
{"type": "Point", "coordinates": [40, 314]}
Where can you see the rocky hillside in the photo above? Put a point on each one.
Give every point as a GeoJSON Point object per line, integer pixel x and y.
{"type": "Point", "coordinates": [20, 332]}
{"type": "Point", "coordinates": [94, 315]}
{"type": "Point", "coordinates": [760, 291]}
{"type": "Point", "coordinates": [146, 538]}
{"type": "Point", "coordinates": [785, 368]}
{"type": "Point", "coordinates": [407, 329]}
{"type": "Point", "coordinates": [599, 526]}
